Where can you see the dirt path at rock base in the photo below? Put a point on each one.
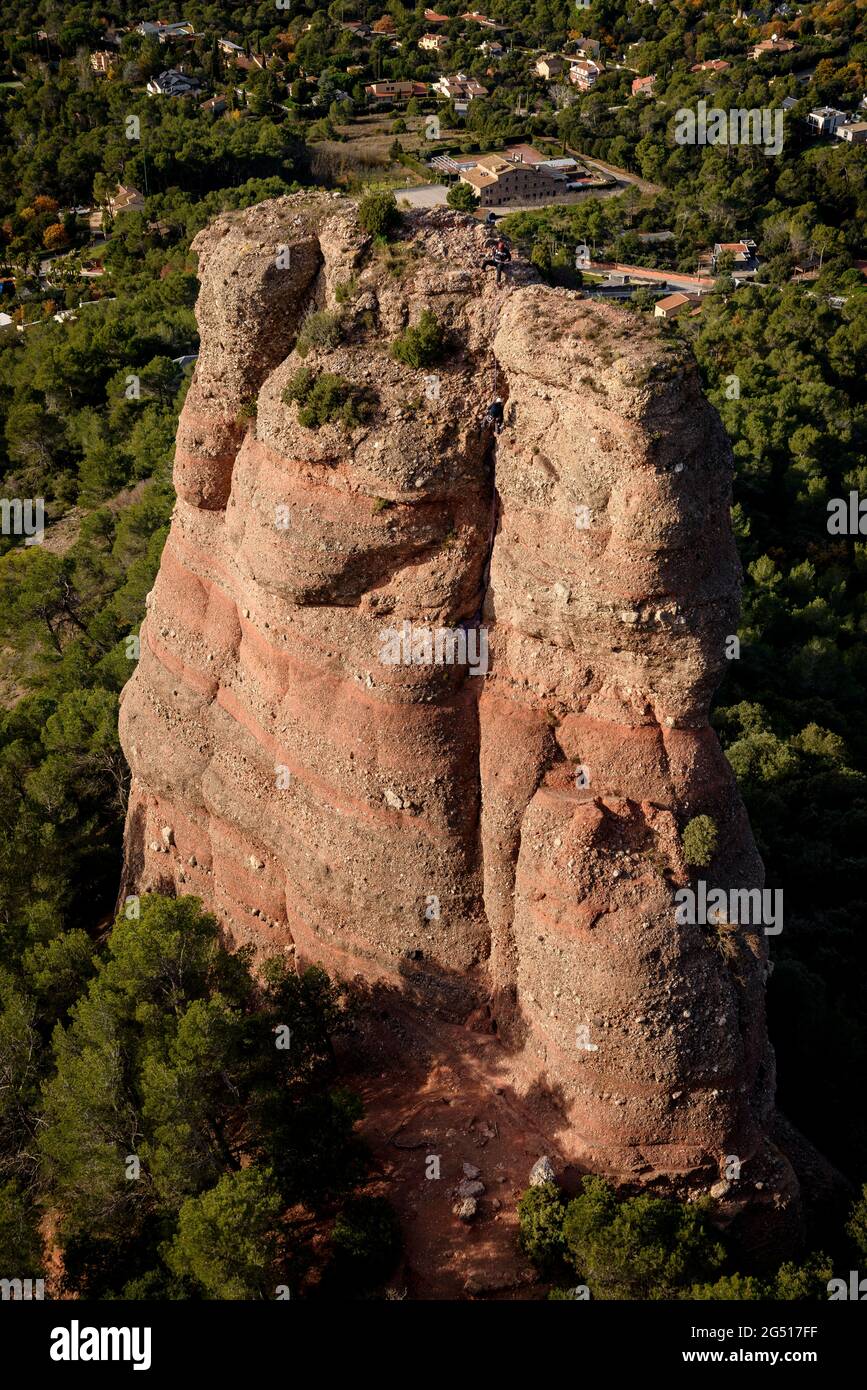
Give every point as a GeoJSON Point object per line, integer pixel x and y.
{"type": "Point", "coordinates": [441, 1094]}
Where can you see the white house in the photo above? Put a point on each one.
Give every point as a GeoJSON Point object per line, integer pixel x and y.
{"type": "Point", "coordinates": [180, 29]}
{"type": "Point", "coordinates": [583, 73]}
{"type": "Point", "coordinates": [459, 88]}
{"type": "Point", "coordinates": [824, 120]}
{"type": "Point", "coordinates": [172, 83]}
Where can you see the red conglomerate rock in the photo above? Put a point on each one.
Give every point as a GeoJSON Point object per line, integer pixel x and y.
{"type": "Point", "coordinates": [499, 839]}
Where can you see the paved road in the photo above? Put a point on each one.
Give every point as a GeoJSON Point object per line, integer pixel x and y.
{"type": "Point", "coordinates": [423, 195]}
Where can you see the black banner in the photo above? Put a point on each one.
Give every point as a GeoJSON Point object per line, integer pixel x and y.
{"type": "Point", "coordinates": [89, 1340]}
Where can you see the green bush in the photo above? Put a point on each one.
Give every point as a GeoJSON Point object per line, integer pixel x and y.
{"type": "Point", "coordinates": [345, 291]}
{"type": "Point", "coordinates": [322, 329]}
{"type": "Point", "coordinates": [792, 1283]}
{"type": "Point", "coordinates": [643, 1247]}
{"type": "Point", "coordinates": [227, 1237]}
{"type": "Point", "coordinates": [300, 386]}
{"type": "Point", "coordinates": [699, 841]}
{"type": "Point", "coordinates": [462, 198]}
{"type": "Point", "coordinates": [651, 1248]}
{"type": "Point", "coordinates": [377, 212]}
{"type": "Point", "coordinates": [540, 1213]}
{"type": "Point", "coordinates": [422, 345]}
{"type": "Point", "coordinates": [327, 397]}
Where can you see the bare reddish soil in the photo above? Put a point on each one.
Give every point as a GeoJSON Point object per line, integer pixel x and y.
{"type": "Point", "coordinates": [442, 1091]}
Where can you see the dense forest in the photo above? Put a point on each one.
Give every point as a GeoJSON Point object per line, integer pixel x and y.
{"type": "Point", "coordinates": [116, 1042]}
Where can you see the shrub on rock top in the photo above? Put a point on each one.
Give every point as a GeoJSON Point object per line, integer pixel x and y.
{"type": "Point", "coordinates": [377, 212]}
{"type": "Point", "coordinates": [422, 345]}
{"type": "Point", "coordinates": [327, 397]}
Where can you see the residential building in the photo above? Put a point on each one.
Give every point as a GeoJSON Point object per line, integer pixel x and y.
{"type": "Point", "coordinates": [561, 168]}
{"type": "Point", "coordinates": [523, 154]}
{"type": "Point", "coordinates": [246, 62]}
{"type": "Point", "coordinates": [743, 254]}
{"type": "Point", "coordinates": [251, 62]}
{"type": "Point", "coordinates": [473, 17]}
{"type": "Point", "coordinates": [396, 90]}
{"type": "Point", "coordinates": [491, 48]}
{"type": "Point", "coordinates": [179, 29]}
{"type": "Point", "coordinates": [215, 106]}
{"type": "Point", "coordinates": [172, 83]}
{"type": "Point", "coordinates": [771, 46]}
{"type": "Point", "coordinates": [583, 73]}
{"type": "Point", "coordinates": [587, 48]}
{"type": "Point", "coordinates": [643, 86]}
{"type": "Point", "coordinates": [672, 305]}
{"type": "Point", "coordinates": [460, 88]}
{"type": "Point", "coordinates": [434, 42]}
{"type": "Point", "coordinates": [432, 17]}
{"type": "Point", "coordinates": [824, 120]}
{"type": "Point", "coordinates": [499, 181]}
{"type": "Point", "coordinates": [549, 66]}
{"type": "Point", "coordinates": [104, 64]}
{"type": "Point", "coordinates": [126, 199]}
{"type": "Point", "coordinates": [854, 132]}
{"type": "Point", "coordinates": [711, 65]}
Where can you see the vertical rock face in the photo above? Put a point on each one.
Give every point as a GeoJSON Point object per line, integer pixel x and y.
{"type": "Point", "coordinates": [504, 845]}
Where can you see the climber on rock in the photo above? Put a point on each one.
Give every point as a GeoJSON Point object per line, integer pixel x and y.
{"type": "Point", "coordinates": [493, 417]}
{"type": "Point", "coordinates": [498, 258]}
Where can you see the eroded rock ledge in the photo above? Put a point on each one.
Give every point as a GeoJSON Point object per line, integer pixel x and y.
{"type": "Point", "coordinates": [596, 551]}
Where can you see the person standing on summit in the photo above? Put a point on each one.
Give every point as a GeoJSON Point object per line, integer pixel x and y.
{"type": "Point", "coordinates": [499, 258]}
